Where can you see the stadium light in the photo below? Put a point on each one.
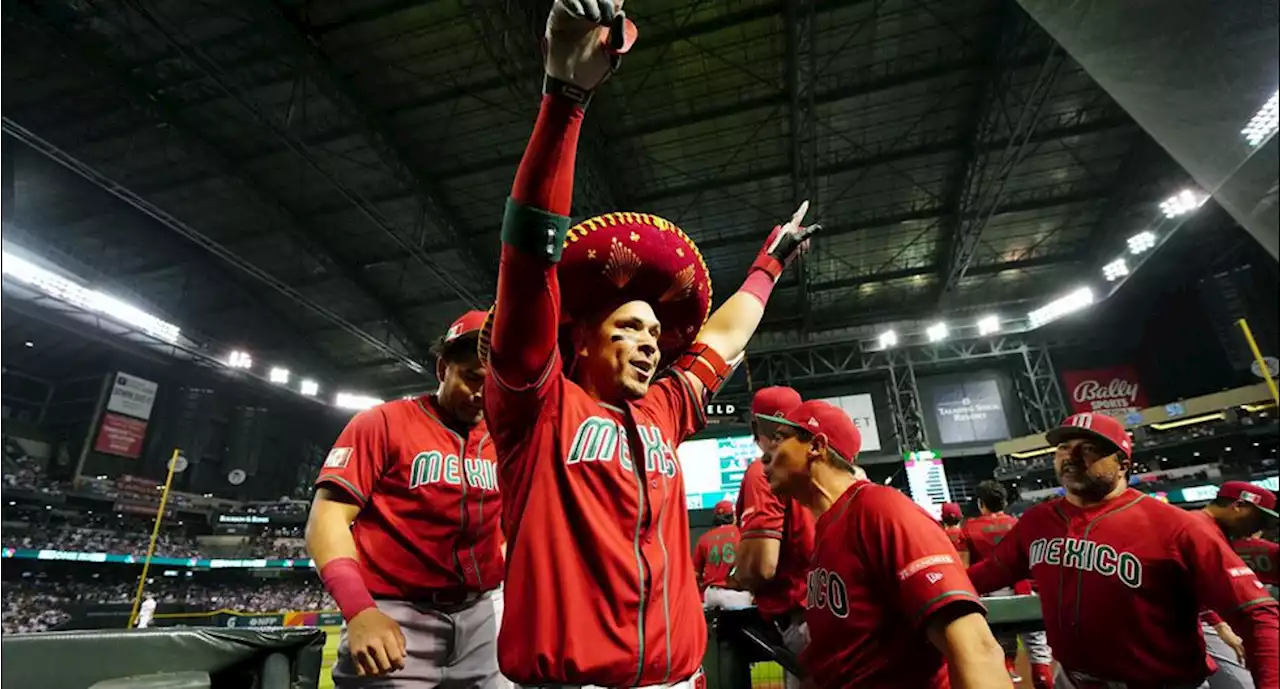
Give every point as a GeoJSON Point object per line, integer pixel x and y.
{"type": "Point", "coordinates": [988, 325]}
{"type": "Point", "coordinates": [309, 387]}
{"type": "Point", "coordinates": [888, 339]}
{"type": "Point", "coordinates": [1115, 270]}
{"type": "Point", "coordinates": [936, 332]}
{"type": "Point", "coordinates": [1061, 306]}
{"type": "Point", "coordinates": [71, 292]}
{"type": "Point", "coordinates": [1264, 122]}
{"type": "Point", "coordinates": [1143, 241]}
{"type": "Point", "coordinates": [1182, 203]}
{"type": "Point", "coordinates": [346, 400]}
{"type": "Point", "coordinates": [239, 359]}
{"type": "Point", "coordinates": [279, 375]}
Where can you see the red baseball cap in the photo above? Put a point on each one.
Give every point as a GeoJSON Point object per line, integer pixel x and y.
{"type": "Point", "coordinates": [1094, 427]}
{"type": "Point", "coordinates": [466, 324]}
{"type": "Point", "coordinates": [723, 508]}
{"type": "Point", "coordinates": [823, 418]}
{"type": "Point", "coordinates": [951, 509]}
{"type": "Point", "coordinates": [774, 401]}
{"type": "Point", "coordinates": [1244, 491]}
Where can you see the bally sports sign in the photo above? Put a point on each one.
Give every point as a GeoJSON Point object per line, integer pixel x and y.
{"type": "Point", "coordinates": [1114, 391]}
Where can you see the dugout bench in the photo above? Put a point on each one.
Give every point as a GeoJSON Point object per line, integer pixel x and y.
{"type": "Point", "coordinates": [740, 638]}
{"type": "Point", "coordinates": [168, 658]}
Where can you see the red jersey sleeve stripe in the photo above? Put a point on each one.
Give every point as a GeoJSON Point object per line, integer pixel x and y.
{"type": "Point", "coordinates": [1249, 604]}
{"type": "Point", "coordinates": [763, 533]}
{"type": "Point", "coordinates": [345, 485]}
{"type": "Point", "coordinates": [701, 409]}
{"type": "Point", "coordinates": [552, 362]}
{"type": "Point", "coordinates": [931, 605]}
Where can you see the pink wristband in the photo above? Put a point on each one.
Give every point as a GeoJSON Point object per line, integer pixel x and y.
{"type": "Point", "coordinates": [345, 583]}
{"type": "Point", "coordinates": [758, 284]}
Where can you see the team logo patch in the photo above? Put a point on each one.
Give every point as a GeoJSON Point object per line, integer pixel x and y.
{"type": "Point", "coordinates": [933, 577]}
{"type": "Point", "coordinates": [1250, 497]}
{"type": "Point", "coordinates": [924, 563]}
{"type": "Point", "coordinates": [338, 458]}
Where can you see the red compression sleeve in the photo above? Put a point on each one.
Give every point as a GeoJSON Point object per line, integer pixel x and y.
{"type": "Point", "coordinates": [758, 284]}
{"type": "Point", "coordinates": [545, 177]}
{"type": "Point", "coordinates": [341, 576]}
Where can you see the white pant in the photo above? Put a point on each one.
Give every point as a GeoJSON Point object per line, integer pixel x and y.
{"type": "Point", "coordinates": [726, 599]}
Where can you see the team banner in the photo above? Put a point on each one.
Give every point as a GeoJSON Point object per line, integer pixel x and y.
{"type": "Point", "coordinates": [1114, 391]}
{"type": "Point", "coordinates": [132, 396]}
{"type": "Point", "coordinates": [863, 413]}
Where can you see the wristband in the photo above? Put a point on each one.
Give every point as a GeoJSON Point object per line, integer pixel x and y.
{"type": "Point", "coordinates": [552, 86]}
{"type": "Point", "coordinates": [341, 576]}
{"type": "Point", "coordinates": [759, 284]}
{"type": "Point", "coordinates": [534, 231]}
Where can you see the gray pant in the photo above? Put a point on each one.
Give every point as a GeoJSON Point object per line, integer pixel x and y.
{"type": "Point", "coordinates": [451, 650]}
{"type": "Point", "coordinates": [1063, 681]}
{"type": "Point", "coordinates": [796, 637]}
{"type": "Point", "coordinates": [1231, 674]}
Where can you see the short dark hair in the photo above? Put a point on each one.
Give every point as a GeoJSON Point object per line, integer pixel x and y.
{"type": "Point", "coordinates": [722, 519]}
{"type": "Point", "coordinates": [992, 495]}
{"type": "Point", "coordinates": [1223, 502]}
{"type": "Point", "coordinates": [458, 350]}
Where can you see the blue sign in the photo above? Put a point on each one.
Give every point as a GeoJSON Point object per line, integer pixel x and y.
{"type": "Point", "coordinates": [1175, 409]}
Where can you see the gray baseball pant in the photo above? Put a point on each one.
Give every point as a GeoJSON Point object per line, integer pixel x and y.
{"type": "Point", "coordinates": [454, 648]}
{"type": "Point", "coordinates": [1231, 674]}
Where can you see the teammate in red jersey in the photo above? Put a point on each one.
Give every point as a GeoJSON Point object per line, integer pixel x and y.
{"type": "Point", "coordinates": [951, 518]}
{"type": "Point", "coordinates": [890, 605]}
{"type": "Point", "coordinates": [1262, 556]}
{"type": "Point", "coordinates": [1113, 564]}
{"type": "Point", "coordinates": [404, 530]}
{"type": "Point", "coordinates": [777, 534]}
{"type": "Point", "coordinates": [981, 534]}
{"type": "Point", "coordinates": [714, 556]}
{"type": "Point", "coordinates": [600, 588]}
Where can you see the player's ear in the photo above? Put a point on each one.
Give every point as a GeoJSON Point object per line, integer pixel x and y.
{"type": "Point", "coordinates": [441, 367]}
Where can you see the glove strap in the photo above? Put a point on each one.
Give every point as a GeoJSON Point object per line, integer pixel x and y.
{"type": "Point", "coordinates": [558, 87]}
{"type": "Point", "coordinates": [768, 265]}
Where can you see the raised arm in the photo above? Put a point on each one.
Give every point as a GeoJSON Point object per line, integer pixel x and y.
{"type": "Point", "coordinates": [1007, 565]}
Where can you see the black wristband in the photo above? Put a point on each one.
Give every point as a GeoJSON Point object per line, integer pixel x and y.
{"type": "Point", "coordinates": [533, 231]}
{"type": "Point", "coordinates": [564, 89]}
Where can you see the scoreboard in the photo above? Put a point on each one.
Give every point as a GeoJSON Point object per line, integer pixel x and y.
{"type": "Point", "coordinates": [713, 468]}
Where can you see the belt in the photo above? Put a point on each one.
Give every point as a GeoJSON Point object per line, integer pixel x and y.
{"type": "Point", "coordinates": [444, 598]}
{"type": "Point", "coordinates": [1083, 680]}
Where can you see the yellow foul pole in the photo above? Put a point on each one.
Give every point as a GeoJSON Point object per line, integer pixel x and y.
{"type": "Point", "coordinates": [1257, 356]}
{"type": "Point", "coordinates": [155, 534]}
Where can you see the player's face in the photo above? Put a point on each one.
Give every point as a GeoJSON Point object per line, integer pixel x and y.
{"type": "Point", "coordinates": [1087, 469]}
{"type": "Point", "coordinates": [764, 436]}
{"type": "Point", "coordinates": [622, 352]}
{"type": "Point", "coordinates": [787, 465]}
{"type": "Point", "coordinates": [461, 385]}
{"type": "Point", "coordinates": [1242, 519]}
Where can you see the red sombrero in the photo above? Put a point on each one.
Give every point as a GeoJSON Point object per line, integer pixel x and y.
{"type": "Point", "coordinates": [615, 258]}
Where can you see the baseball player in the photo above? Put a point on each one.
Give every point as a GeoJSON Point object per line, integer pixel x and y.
{"type": "Point", "coordinates": [951, 518]}
{"type": "Point", "coordinates": [1113, 564]}
{"type": "Point", "coordinates": [777, 534]}
{"type": "Point", "coordinates": [404, 529]}
{"type": "Point", "coordinates": [890, 605]}
{"type": "Point", "coordinates": [1262, 556]}
{"type": "Point", "coordinates": [980, 536]}
{"type": "Point", "coordinates": [1239, 509]}
{"type": "Point", "coordinates": [600, 588]}
{"type": "Point", "coordinates": [146, 612]}
{"type": "Point", "coordinates": [713, 557]}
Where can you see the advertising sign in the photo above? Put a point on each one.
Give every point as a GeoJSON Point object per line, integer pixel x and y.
{"type": "Point", "coordinates": [969, 412]}
{"type": "Point", "coordinates": [1114, 391]}
{"type": "Point", "coordinates": [713, 468]}
{"type": "Point", "coordinates": [859, 408]}
{"type": "Point", "coordinates": [132, 396]}
{"type": "Point", "coordinates": [121, 436]}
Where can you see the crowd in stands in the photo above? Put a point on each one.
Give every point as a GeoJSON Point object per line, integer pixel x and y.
{"type": "Point", "coordinates": [33, 605]}
{"type": "Point", "coordinates": [131, 537]}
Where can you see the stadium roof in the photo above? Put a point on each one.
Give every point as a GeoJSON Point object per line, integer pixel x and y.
{"type": "Point", "coordinates": [320, 183]}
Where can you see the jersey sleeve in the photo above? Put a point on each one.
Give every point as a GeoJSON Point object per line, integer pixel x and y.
{"type": "Point", "coordinates": [700, 556]}
{"type": "Point", "coordinates": [358, 457]}
{"type": "Point", "coordinates": [672, 398]}
{"type": "Point", "coordinates": [925, 571]}
{"type": "Point", "coordinates": [1224, 584]}
{"type": "Point", "coordinates": [762, 512]}
{"type": "Point", "coordinates": [1007, 564]}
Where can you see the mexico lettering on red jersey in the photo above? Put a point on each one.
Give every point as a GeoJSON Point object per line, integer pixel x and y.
{"type": "Point", "coordinates": [600, 589]}
{"type": "Point", "coordinates": [881, 569]}
{"type": "Point", "coordinates": [1132, 559]}
{"type": "Point", "coordinates": [761, 514]}
{"type": "Point", "coordinates": [430, 505]}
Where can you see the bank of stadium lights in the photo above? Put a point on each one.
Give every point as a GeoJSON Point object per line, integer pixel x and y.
{"type": "Point", "coordinates": [279, 375]}
{"type": "Point", "coordinates": [1143, 241]}
{"type": "Point", "coordinates": [989, 325]}
{"type": "Point", "coordinates": [936, 332]}
{"type": "Point", "coordinates": [346, 400]}
{"type": "Point", "coordinates": [309, 387]}
{"type": "Point", "coordinates": [1061, 306]}
{"type": "Point", "coordinates": [888, 339]}
{"type": "Point", "coordinates": [1115, 270]}
{"type": "Point", "coordinates": [240, 360]}
{"type": "Point", "coordinates": [1263, 124]}
{"type": "Point", "coordinates": [71, 292]}
{"type": "Point", "coordinates": [1183, 202]}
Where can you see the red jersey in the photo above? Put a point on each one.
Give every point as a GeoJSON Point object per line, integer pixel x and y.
{"type": "Point", "coordinates": [715, 553]}
{"type": "Point", "coordinates": [1262, 556]}
{"type": "Point", "coordinates": [429, 500]}
{"type": "Point", "coordinates": [1142, 562]}
{"type": "Point", "coordinates": [980, 536]}
{"type": "Point", "coordinates": [881, 569]}
{"type": "Point", "coordinates": [761, 514]}
{"type": "Point", "coordinates": [955, 534]}
{"type": "Point", "coordinates": [601, 589]}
